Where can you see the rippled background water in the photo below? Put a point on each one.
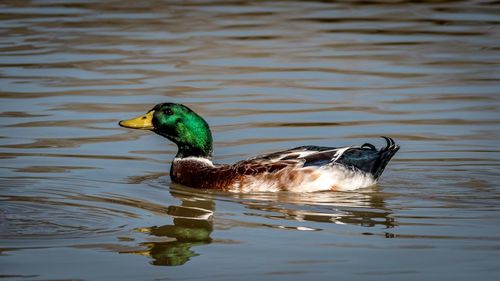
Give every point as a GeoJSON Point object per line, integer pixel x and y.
{"type": "Point", "coordinates": [83, 199]}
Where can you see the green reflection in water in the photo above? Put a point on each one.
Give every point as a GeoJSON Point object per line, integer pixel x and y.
{"type": "Point", "coordinates": [192, 226]}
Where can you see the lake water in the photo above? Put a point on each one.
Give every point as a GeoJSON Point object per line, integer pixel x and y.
{"type": "Point", "coordinates": [83, 199]}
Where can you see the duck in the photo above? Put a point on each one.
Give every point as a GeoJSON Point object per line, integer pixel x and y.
{"type": "Point", "coordinates": [307, 168]}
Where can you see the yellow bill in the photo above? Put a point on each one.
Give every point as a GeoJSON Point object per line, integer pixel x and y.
{"type": "Point", "coordinates": [143, 122]}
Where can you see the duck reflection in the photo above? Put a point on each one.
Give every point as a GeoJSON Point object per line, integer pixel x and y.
{"type": "Point", "coordinates": [193, 218]}
{"type": "Point", "coordinates": [367, 209]}
{"type": "Point", "coordinates": [192, 226]}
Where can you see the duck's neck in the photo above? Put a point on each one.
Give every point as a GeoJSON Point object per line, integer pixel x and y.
{"type": "Point", "coordinates": [203, 151]}
{"type": "Point", "coordinates": [194, 144]}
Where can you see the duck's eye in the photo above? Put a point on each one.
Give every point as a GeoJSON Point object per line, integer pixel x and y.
{"type": "Point", "coordinates": [168, 111]}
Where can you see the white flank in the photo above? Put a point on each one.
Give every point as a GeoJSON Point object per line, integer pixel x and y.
{"type": "Point", "coordinates": [334, 177]}
{"type": "Point", "coordinates": [331, 177]}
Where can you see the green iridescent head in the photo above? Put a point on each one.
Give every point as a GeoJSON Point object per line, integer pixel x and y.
{"type": "Point", "coordinates": [179, 124]}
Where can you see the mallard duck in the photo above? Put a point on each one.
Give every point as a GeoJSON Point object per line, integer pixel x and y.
{"type": "Point", "coordinates": [300, 169]}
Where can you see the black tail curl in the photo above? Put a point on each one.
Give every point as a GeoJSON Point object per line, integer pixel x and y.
{"type": "Point", "coordinates": [385, 155]}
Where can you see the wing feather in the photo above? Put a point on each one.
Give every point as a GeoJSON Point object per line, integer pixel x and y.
{"type": "Point", "coordinates": [365, 158]}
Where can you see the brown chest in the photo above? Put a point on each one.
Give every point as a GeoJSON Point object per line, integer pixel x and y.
{"type": "Point", "coordinates": [200, 174]}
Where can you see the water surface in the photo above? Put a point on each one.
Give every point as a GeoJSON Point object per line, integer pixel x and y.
{"type": "Point", "coordinates": [83, 199]}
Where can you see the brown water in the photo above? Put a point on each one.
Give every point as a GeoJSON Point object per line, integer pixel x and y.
{"type": "Point", "coordinates": [82, 199]}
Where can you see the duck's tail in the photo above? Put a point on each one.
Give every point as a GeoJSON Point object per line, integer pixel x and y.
{"type": "Point", "coordinates": [384, 156]}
